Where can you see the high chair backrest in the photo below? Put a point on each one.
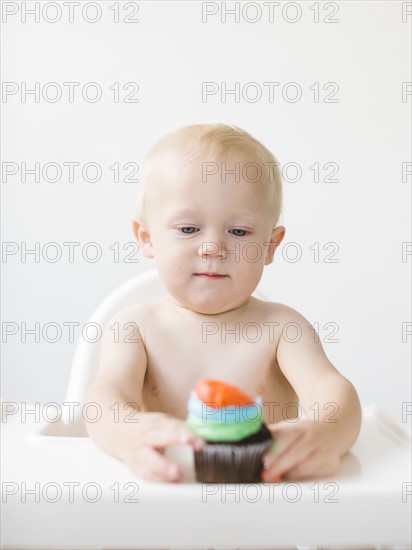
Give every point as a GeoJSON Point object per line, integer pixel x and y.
{"type": "Point", "coordinates": [146, 287]}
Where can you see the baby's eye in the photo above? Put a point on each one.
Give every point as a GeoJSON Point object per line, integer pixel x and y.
{"type": "Point", "coordinates": [239, 232]}
{"type": "Point", "coordinates": [188, 230]}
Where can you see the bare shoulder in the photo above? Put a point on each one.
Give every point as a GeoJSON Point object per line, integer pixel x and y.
{"type": "Point", "coordinates": [278, 311]}
{"type": "Point", "coordinates": [134, 316]}
{"type": "Point", "coordinates": [134, 310]}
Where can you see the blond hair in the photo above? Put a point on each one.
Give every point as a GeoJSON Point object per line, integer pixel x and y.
{"type": "Point", "coordinates": [217, 139]}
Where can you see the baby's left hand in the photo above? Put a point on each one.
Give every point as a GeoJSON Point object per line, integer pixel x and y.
{"type": "Point", "coordinates": [303, 449]}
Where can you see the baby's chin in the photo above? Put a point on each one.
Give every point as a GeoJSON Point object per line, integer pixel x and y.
{"type": "Point", "coordinates": [210, 310]}
{"type": "Point", "coordinates": [212, 306]}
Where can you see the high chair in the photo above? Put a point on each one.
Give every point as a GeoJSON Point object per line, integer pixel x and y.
{"type": "Point", "coordinates": [60, 491]}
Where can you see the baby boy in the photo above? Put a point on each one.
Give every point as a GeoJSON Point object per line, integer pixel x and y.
{"type": "Point", "coordinates": [207, 213]}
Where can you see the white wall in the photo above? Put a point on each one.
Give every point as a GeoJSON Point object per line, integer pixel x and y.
{"type": "Point", "coordinates": [169, 53]}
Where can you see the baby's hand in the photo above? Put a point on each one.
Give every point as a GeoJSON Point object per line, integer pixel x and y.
{"type": "Point", "coordinates": [143, 445]}
{"type": "Point", "coordinates": [302, 450]}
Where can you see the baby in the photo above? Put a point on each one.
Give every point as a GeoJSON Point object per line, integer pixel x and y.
{"type": "Point", "coordinates": [207, 213]}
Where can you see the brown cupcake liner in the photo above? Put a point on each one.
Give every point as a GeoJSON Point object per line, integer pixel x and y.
{"type": "Point", "coordinates": [237, 462]}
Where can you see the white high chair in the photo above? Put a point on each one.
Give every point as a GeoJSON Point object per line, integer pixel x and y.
{"type": "Point", "coordinates": [83, 498]}
{"type": "Point", "coordinates": [143, 288]}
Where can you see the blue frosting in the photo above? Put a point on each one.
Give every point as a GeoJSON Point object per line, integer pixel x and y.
{"type": "Point", "coordinates": [226, 415]}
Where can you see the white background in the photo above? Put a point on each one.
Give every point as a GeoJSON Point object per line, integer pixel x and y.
{"type": "Point", "coordinates": [169, 53]}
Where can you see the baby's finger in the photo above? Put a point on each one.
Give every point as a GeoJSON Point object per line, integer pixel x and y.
{"type": "Point", "coordinates": [289, 459]}
{"type": "Point", "coordinates": [278, 427]}
{"type": "Point", "coordinates": [314, 465]}
{"type": "Point", "coordinates": [306, 468]}
{"type": "Point", "coordinates": [172, 433]}
{"type": "Point", "coordinates": [151, 465]}
{"type": "Point", "coordinates": [188, 437]}
{"type": "Point", "coordinates": [284, 440]}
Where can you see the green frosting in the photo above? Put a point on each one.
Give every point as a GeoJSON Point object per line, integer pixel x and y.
{"type": "Point", "coordinates": [220, 431]}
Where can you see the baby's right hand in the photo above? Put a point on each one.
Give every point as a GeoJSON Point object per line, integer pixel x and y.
{"type": "Point", "coordinates": [144, 443]}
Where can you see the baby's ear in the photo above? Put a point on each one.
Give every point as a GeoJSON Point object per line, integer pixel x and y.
{"type": "Point", "coordinates": [275, 239]}
{"type": "Point", "coordinates": [143, 237]}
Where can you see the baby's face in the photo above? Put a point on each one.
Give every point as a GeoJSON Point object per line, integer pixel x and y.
{"type": "Point", "coordinates": [200, 225]}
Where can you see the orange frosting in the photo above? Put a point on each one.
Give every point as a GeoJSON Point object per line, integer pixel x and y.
{"type": "Point", "coordinates": [215, 391]}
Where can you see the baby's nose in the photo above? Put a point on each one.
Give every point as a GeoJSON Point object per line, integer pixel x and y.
{"type": "Point", "coordinates": [215, 247]}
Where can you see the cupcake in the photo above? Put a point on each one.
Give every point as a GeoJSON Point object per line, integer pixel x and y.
{"type": "Point", "coordinates": [232, 425]}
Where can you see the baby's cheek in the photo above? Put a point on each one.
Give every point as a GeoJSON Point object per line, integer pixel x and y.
{"type": "Point", "coordinates": [249, 276]}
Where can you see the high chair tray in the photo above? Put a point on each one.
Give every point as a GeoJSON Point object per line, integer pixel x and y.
{"type": "Point", "coordinates": [60, 491]}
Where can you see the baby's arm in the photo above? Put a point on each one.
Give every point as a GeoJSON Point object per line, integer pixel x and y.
{"type": "Point", "coordinates": [313, 447]}
{"type": "Point", "coordinates": [124, 431]}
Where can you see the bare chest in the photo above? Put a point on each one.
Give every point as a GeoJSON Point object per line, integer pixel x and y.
{"type": "Point", "coordinates": [179, 356]}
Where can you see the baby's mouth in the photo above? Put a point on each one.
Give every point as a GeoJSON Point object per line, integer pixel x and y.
{"type": "Point", "coordinates": [209, 275]}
